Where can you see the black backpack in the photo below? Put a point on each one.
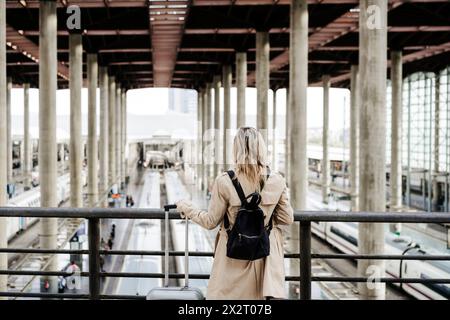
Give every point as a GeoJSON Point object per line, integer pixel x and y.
{"type": "Point", "coordinates": [249, 238]}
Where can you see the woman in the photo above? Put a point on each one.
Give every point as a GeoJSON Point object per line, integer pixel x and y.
{"type": "Point", "coordinates": [241, 279]}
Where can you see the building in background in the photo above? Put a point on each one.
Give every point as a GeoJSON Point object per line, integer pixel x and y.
{"type": "Point", "coordinates": [183, 101]}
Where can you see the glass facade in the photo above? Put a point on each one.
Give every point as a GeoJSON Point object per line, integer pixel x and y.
{"type": "Point", "coordinates": [426, 120]}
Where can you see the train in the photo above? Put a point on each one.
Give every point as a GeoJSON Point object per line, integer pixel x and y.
{"type": "Point", "coordinates": [32, 198]}
{"type": "Point", "coordinates": [156, 160]}
{"type": "Point", "coordinates": [145, 235]}
{"type": "Point", "coordinates": [340, 166]}
{"type": "Point", "coordinates": [344, 237]}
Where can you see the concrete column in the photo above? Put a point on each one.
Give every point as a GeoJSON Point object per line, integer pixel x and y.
{"type": "Point", "coordinates": [287, 140]}
{"type": "Point", "coordinates": [217, 112]}
{"type": "Point", "coordinates": [241, 86]}
{"type": "Point", "coordinates": [203, 155]}
{"type": "Point", "coordinates": [396, 131]}
{"type": "Point", "coordinates": [227, 78]}
{"type": "Point", "coordinates": [125, 97]}
{"type": "Point", "coordinates": [9, 132]}
{"type": "Point", "coordinates": [354, 137]}
{"type": "Point", "coordinates": [274, 131]}
{"type": "Point", "coordinates": [199, 144]}
{"type": "Point", "coordinates": [112, 131]}
{"type": "Point", "coordinates": [437, 137]}
{"type": "Point", "coordinates": [298, 82]}
{"type": "Point", "coordinates": [124, 133]}
{"type": "Point", "coordinates": [104, 130]}
{"type": "Point", "coordinates": [118, 132]}
{"type": "Point", "coordinates": [27, 159]}
{"type": "Point", "coordinates": [76, 142]}
{"type": "Point", "coordinates": [3, 148]}
{"type": "Point", "coordinates": [208, 136]}
{"type": "Point", "coordinates": [325, 165]}
{"type": "Point", "coordinates": [262, 82]}
{"type": "Point", "coordinates": [372, 187]}
{"type": "Point", "coordinates": [92, 150]}
{"type": "Point", "coordinates": [47, 127]}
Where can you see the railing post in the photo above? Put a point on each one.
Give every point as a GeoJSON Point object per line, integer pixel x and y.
{"type": "Point", "coordinates": [94, 258]}
{"type": "Point", "coordinates": [305, 260]}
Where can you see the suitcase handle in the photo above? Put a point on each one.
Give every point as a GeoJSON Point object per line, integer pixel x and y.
{"type": "Point", "coordinates": [166, 242]}
{"type": "Point", "coordinates": [186, 254]}
{"type": "Point", "coordinates": [170, 206]}
{"type": "Point", "coordinates": [166, 248]}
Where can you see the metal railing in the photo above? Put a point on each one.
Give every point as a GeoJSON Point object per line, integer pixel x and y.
{"type": "Point", "coordinates": [305, 255]}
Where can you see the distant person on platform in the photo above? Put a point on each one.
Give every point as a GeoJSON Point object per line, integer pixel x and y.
{"type": "Point", "coordinates": [246, 279]}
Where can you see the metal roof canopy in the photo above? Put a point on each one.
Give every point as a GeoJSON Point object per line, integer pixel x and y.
{"type": "Point", "coordinates": [183, 43]}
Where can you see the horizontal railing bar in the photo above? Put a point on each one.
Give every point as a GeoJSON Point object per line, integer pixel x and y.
{"type": "Point", "coordinates": [175, 253]}
{"type": "Point", "coordinates": [383, 280]}
{"type": "Point", "coordinates": [374, 217]}
{"type": "Point", "coordinates": [381, 257]}
{"type": "Point", "coordinates": [206, 276]}
{"type": "Point", "coordinates": [42, 251]}
{"type": "Point", "coordinates": [155, 253]}
{"type": "Point", "coordinates": [41, 273]}
{"type": "Point", "coordinates": [127, 213]}
{"type": "Point", "coordinates": [171, 275]}
{"type": "Point", "coordinates": [151, 275]}
{"type": "Point", "coordinates": [121, 252]}
{"type": "Point", "coordinates": [210, 254]}
{"type": "Point", "coordinates": [44, 295]}
{"type": "Point", "coordinates": [101, 213]}
{"type": "Point", "coordinates": [122, 297]}
{"type": "Point", "coordinates": [287, 278]}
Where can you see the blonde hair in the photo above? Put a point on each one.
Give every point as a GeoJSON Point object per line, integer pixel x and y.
{"type": "Point", "coordinates": [250, 155]}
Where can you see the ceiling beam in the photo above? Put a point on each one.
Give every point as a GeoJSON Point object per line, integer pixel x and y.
{"type": "Point", "coordinates": [212, 31]}
{"type": "Point", "coordinates": [95, 32]}
{"type": "Point", "coordinates": [338, 27]}
{"type": "Point", "coordinates": [178, 5]}
{"type": "Point", "coordinates": [427, 52]}
{"type": "Point", "coordinates": [18, 42]}
{"type": "Point", "coordinates": [287, 2]}
{"type": "Point", "coordinates": [81, 3]}
{"type": "Point", "coordinates": [421, 54]}
{"type": "Point", "coordinates": [166, 33]}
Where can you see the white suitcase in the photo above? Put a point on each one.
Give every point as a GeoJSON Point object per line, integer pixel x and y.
{"type": "Point", "coordinates": [175, 293]}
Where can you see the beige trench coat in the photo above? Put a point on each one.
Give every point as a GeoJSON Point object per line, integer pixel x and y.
{"type": "Point", "coordinates": [239, 279]}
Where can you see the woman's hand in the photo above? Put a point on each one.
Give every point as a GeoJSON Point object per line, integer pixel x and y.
{"type": "Point", "coordinates": [183, 207]}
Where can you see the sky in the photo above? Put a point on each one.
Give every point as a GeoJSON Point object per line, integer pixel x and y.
{"type": "Point", "coordinates": [154, 101]}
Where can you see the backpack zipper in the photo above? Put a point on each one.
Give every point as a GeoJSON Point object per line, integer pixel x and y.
{"type": "Point", "coordinates": [245, 236]}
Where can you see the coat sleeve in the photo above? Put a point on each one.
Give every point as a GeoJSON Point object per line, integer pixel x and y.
{"type": "Point", "coordinates": [217, 207]}
{"type": "Point", "coordinates": [284, 214]}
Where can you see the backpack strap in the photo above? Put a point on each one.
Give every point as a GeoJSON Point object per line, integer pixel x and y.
{"type": "Point", "coordinates": [270, 225]}
{"type": "Point", "coordinates": [238, 187]}
{"type": "Point", "coordinates": [241, 194]}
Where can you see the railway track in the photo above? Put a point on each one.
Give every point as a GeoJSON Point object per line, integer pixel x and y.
{"type": "Point", "coordinates": [37, 262]}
